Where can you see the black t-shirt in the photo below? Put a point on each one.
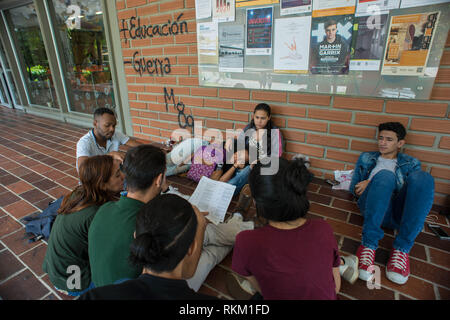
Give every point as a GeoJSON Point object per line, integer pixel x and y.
{"type": "Point", "coordinates": [146, 287]}
{"type": "Point", "coordinates": [330, 58]}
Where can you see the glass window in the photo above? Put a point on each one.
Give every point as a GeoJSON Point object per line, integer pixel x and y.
{"type": "Point", "coordinates": [79, 24]}
{"type": "Point", "coordinates": [9, 89]}
{"type": "Point", "coordinates": [28, 38]}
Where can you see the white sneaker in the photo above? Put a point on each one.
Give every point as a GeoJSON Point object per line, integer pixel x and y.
{"type": "Point", "coordinates": [174, 190]}
{"type": "Point", "coordinates": [238, 287]}
{"type": "Point", "coordinates": [349, 270]}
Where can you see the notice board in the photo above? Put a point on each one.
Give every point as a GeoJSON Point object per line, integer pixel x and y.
{"type": "Point", "coordinates": [374, 48]}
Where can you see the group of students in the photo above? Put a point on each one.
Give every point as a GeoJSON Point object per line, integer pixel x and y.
{"type": "Point", "coordinates": [151, 244]}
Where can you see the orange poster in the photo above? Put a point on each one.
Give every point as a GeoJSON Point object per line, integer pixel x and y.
{"type": "Point", "coordinates": [325, 8]}
{"type": "Point", "coordinates": [249, 3]}
{"type": "Point", "coordinates": [408, 44]}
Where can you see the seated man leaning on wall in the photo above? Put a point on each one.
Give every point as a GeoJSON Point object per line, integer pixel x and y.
{"type": "Point", "coordinates": [395, 193]}
{"type": "Point", "coordinates": [103, 138]}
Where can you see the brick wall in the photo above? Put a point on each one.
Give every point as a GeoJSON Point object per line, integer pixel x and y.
{"type": "Point", "coordinates": [331, 129]}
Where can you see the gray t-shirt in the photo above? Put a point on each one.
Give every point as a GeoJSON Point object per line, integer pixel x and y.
{"type": "Point", "coordinates": [383, 164]}
{"type": "Point", "coordinates": [87, 145]}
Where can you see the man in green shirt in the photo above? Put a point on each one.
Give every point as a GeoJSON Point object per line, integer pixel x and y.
{"type": "Point", "coordinates": [111, 231]}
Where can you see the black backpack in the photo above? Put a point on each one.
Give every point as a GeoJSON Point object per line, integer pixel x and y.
{"type": "Point", "coordinates": [40, 224]}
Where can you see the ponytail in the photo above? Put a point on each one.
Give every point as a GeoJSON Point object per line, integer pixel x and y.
{"type": "Point", "coordinates": [165, 229]}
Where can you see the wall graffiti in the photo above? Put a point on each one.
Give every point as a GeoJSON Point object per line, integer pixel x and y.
{"type": "Point", "coordinates": [183, 120]}
{"type": "Point", "coordinates": [151, 66]}
{"type": "Point", "coordinates": [131, 30]}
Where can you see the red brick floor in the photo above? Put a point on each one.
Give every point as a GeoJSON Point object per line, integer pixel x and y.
{"type": "Point", "coordinates": [37, 159]}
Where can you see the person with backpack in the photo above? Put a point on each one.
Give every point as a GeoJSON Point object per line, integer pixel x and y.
{"type": "Point", "coordinates": [66, 260]}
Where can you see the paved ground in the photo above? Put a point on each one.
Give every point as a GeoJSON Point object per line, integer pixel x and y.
{"type": "Point", "coordinates": [37, 165]}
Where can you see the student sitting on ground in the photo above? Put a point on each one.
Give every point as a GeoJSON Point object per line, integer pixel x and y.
{"type": "Point", "coordinates": [101, 181]}
{"type": "Point", "coordinates": [235, 167]}
{"type": "Point", "coordinates": [111, 231]}
{"type": "Point", "coordinates": [262, 139]}
{"type": "Point", "coordinates": [103, 138]}
{"type": "Point", "coordinates": [291, 257]}
{"type": "Point", "coordinates": [395, 193]}
{"type": "Point", "coordinates": [167, 247]}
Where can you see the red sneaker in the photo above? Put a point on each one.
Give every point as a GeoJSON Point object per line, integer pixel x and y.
{"type": "Point", "coordinates": [397, 269]}
{"type": "Point", "coordinates": [366, 258]}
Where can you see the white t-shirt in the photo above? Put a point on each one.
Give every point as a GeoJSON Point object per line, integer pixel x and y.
{"type": "Point", "coordinates": [87, 145]}
{"type": "Point", "coordinates": [383, 164]}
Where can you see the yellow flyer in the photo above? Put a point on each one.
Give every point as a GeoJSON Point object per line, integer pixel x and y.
{"type": "Point", "coordinates": [408, 44]}
{"type": "Point", "coordinates": [248, 3]}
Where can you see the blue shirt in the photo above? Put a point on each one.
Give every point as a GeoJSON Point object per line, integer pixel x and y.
{"type": "Point", "coordinates": [367, 161]}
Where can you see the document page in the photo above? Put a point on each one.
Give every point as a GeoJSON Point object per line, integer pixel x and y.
{"type": "Point", "coordinates": [214, 197]}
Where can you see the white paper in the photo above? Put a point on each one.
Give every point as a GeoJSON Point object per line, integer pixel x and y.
{"type": "Point", "coordinates": [223, 10]}
{"type": "Point", "coordinates": [202, 9]}
{"type": "Point", "coordinates": [291, 51]}
{"type": "Point", "coordinates": [207, 42]}
{"type": "Point", "coordinates": [344, 177]}
{"type": "Point", "coordinates": [418, 3]}
{"type": "Point", "coordinates": [231, 48]}
{"type": "Point", "coordinates": [213, 197]}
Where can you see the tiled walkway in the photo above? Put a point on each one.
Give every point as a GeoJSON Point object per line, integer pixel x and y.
{"type": "Point", "coordinates": [37, 159]}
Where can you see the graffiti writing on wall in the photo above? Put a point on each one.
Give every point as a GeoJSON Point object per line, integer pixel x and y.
{"type": "Point", "coordinates": [134, 30]}
{"type": "Point", "coordinates": [151, 66]}
{"type": "Point", "coordinates": [183, 120]}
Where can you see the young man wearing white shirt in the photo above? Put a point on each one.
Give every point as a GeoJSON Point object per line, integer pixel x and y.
{"type": "Point", "coordinates": [103, 138]}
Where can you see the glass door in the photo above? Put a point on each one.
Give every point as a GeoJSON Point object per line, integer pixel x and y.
{"type": "Point", "coordinates": [33, 60]}
{"type": "Point", "coordinates": [8, 92]}
{"type": "Point", "coordinates": [79, 26]}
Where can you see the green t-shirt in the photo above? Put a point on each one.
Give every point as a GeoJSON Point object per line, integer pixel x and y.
{"type": "Point", "coordinates": [110, 236]}
{"type": "Point", "coordinates": [68, 246]}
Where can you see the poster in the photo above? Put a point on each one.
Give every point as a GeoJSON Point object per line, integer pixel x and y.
{"type": "Point", "coordinates": [223, 10]}
{"type": "Point", "coordinates": [331, 38]}
{"type": "Point", "coordinates": [408, 43]}
{"type": "Point", "coordinates": [231, 48]}
{"type": "Point", "coordinates": [295, 6]}
{"type": "Point", "coordinates": [323, 8]}
{"type": "Point", "coordinates": [291, 51]}
{"type": "Point", "coordinates": [259, 31]}
{"type": "Point", "coordinates": [369, 7]}
{"type": "Point", "coordinates": [418, 3]}
{"type": "Point", "coordinates": [202, 9]}
{"type": "Point", "coordinates": [369, 38]}
{"type": "Point", "coordinates": [249, 3]}
{"type": "Point", "coordinates": [207, 42]}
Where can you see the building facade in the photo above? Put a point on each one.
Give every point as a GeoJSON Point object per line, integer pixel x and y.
{"type": "Point", "coordinates": [64, 58]}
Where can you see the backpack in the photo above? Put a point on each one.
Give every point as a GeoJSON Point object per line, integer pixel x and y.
{"type": "Point", "coordinates": [41, 224]}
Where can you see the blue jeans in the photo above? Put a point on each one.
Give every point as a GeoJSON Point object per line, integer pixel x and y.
{"type": "Point", "coordinates": [404, 211]}
{"type": "Point", "coordinates": [240, 178]}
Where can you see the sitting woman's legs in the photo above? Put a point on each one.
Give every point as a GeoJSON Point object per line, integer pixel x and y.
{"type": "Point", "coordinates": [180, 153]}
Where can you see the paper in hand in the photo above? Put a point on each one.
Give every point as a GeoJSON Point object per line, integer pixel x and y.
{"type": "Point", "coordinates": [214, 197]}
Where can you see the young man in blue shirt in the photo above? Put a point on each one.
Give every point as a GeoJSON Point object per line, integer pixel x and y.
{"type": "Point", "coordinates": [395, 193]}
